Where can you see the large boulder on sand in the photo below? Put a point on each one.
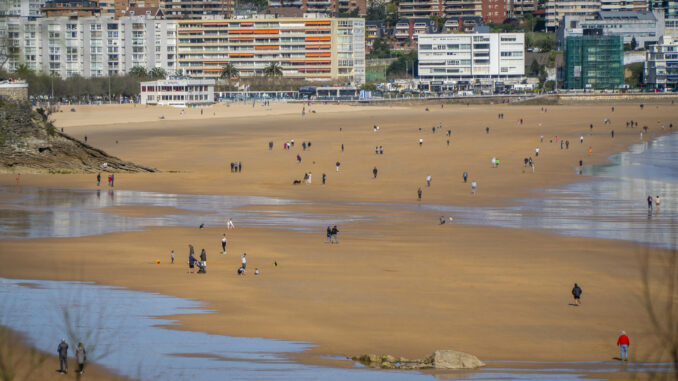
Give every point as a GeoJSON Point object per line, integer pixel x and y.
{"type": "Point", "coordinates": [449, 359]}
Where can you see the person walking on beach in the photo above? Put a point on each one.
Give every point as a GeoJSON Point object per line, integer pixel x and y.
{"type": "Point", "coordinates": [80, 357]}
{"type": "Point", "coordinates": [474, 186]}
{"type": "Point", "coordinates": [419, 194]}
{"type": "Point", "coordinates": [421, 141]}
{"type": "Point", "coordinates": [298, 158]}
{"type": "Point", "coordinates": [243, 261]}
{"type": "Point", "coordinates": [172, 257]}
{"type": "Point", "coordinates": [536, 152]}
{"type": "Point", "coordinates": [428, 180]}
{"type": "Point", "coordinates": [229, 224]}
{"type": "Point", "coordinates": [191, 259]}
{"type": "Point", "coordinates": [623, 343]}
{"type": "Point", "coordinates": [612, 134]}
{"type": "Point", "coordinates": [465, 175]}
{"type": "Point", "coordinates": [223, 244]}
{"type": "Point", "coordinates": [338, 164]}
{"type": "Point", "coordinates": [98, 178]}
{"type": "Point", "coordinates": [62, 350]}
{"type": "Point", "coordinates": [657, 202]}
{"type": "Point", "coordinates": [324, 178]}
{"type": "Point", "coordinates": [581, 139]}
{"type": "Point", "coordinates": [203, 257]}
{"type": "Point", "coordinates": [374, 172]}
{"type": "Point", "coordinates": [112, 180]}
{"type": "Point", "coordinates": [649, 202]}
{"type": "Point", "coordinates": [576, 293]}
{"type": "Point", "coordinates": [342, 148]}
{"type": "Point", "coordinates": [328, 239]}
{"type": "Point", "coordinates": [308, 179]}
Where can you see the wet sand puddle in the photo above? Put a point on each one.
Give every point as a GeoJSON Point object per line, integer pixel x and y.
{"type": "Point", "coordinates": [126, 331]}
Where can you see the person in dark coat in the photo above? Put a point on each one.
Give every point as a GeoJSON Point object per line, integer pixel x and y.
{"type": "Point", "coordinates": [333, 236]}
{"type": "Point", "coordinates": [62, 350]}
{"type": "Point", "coordinates": [576, 293]}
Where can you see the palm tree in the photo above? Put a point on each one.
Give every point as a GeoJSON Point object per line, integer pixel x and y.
{"type": "Point", "coordinates": [157, 73]}
{"type": "Point", "coordinates": [228, 71]}
{"type": "Point", "coordinates": [138, 71]}
{"type": "Point", "coordinates": [273, 70]}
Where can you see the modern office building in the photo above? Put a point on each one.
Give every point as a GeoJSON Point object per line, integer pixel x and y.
{"type": "Point", "coordinates": [661, 65]}
{"type": "Point", "coordinates": [645, 27]}
{"type": "Point", "coordinates": [669, 7]}
{"type": "Point", "coordinates": [178, 91]}
{"type": "Point", "coordinates": [556, 10]}
{"type": "Point", "coordinates": [305, 48]}
{"type": "Point", "coordinates": [594, 61]}
{"type": "Point", "coordinates": [93, 46]}
{"type": "Point", "coordinates": [484, 56]}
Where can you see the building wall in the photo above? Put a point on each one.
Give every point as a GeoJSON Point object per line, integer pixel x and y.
{"type": "Point", "coordinates": [463, 8]}
{"type": "Point", "coordinates": [14, 91]}
{"type": "Point", "coordinates": [21, 8]}
{"type": "Point", "coordinates": [307, 48]}
{"type": "Point", "coordinates": [661, 65]}
{"type": "Point", "coordinates": [466, 56]}
{"type": "Point", "coordinates": [557, 9]}
{"type": "Point", "coordinates": [93, 46]}
{"type": "Point", "coordinates": [177, 91]}
{"type": "Point", "coordinates": [420, 8]}
{"type": "Point", "coordinates": [594, 62]}
{"type": "Point", "coordinates": [494, 11]}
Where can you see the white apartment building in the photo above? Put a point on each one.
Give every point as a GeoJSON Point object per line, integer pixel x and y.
{"type": "Point", "coordinates": [471, 56]}
{"type": "Point", "coordinates": [556, 10]}
{"type": "Point", "coordinates": [661, 65]}
{"type": "Point", "coordinates": [21, 8]}
{"type": "Point", "coordinates": [92, 46]}
{"type": "Point", "coordinates": [178, 91]}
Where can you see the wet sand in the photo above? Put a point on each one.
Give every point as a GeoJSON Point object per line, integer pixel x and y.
{"type": "Point", "coordinates": [408, 286]}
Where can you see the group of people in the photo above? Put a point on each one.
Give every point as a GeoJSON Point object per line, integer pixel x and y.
{"type": "Point", "coordinates": [80, 357]}
{"type": "Point", "coordinates": [236, 166]}
{"type": "Point", "coordinates": [111, 179]}
{"type": "Point", "coordinates": [379, 150]}
{"type": "Point", "coordinates": [332, 232]}
{"type": "Point", "coordinates": [657, 202]}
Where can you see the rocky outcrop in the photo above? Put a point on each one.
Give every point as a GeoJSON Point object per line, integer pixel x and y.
{"type": "Point", "coordinates": [30, 142]}
{"type": "Point", "coordinates": [441, 359]}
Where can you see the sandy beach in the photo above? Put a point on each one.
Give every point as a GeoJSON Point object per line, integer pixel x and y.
{"type": "Point", "coordinates": [403, 285]}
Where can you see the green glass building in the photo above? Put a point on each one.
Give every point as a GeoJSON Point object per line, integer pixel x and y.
{"type": "Point", "coordinates": [594, 61]}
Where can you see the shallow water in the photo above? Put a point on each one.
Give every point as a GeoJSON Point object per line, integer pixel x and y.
{"type": "Point", "coordinates": [120, 329]}
{"type": "Point", "coordinates": [59, 212]}
{"type": "Point", "coordinates": [611, 206]}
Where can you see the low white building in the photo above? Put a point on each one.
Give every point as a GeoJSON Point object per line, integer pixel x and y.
{"type": "Point", "coordinates": [178, 91]}
{"type": "Point", "coordinates": [661, 65]}
{"type": "Point", "coordinates": [483, 56]}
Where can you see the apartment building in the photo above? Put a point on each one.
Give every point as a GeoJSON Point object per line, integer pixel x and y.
{"type": "Point", "coordinates": [93, 46]}
{"type": "Point", "coordinates": [327, 7]}
{"type": "Point", "coordinates": [669, 7]}
{"type": "Point", "coordinates": [623, 5]}
{"type": "Point", "coordinates": [644, 26]}
{"type": "Point", "coordinates": [21, 8]}
{"type": "Point", "coordinates": [463, 24]}
{"type": "Point", "coordinates": [556, 10]}
{"type": "Point", "coordinates": [487, 56]}
{"type": "Point", "coordinates": [306, 48]}
{"type": "Point", "coordinates": [76, 8]}
{"type": "Point", "coordinates": [522, 7]}
{"type": "Point", "coordinates": [196, 9]}
{"type": "Point", "coordinates": [421, 8]}
{"type": "Point", "coordinates": [409, 29]}
{"type": "Point", "coordinates": [661, 65]}
{"type": "Point", "coordinates": [489, 10]}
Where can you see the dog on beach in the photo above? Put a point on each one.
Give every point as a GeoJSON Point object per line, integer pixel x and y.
{"type": "Point", "coordinates": [296, 182]}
